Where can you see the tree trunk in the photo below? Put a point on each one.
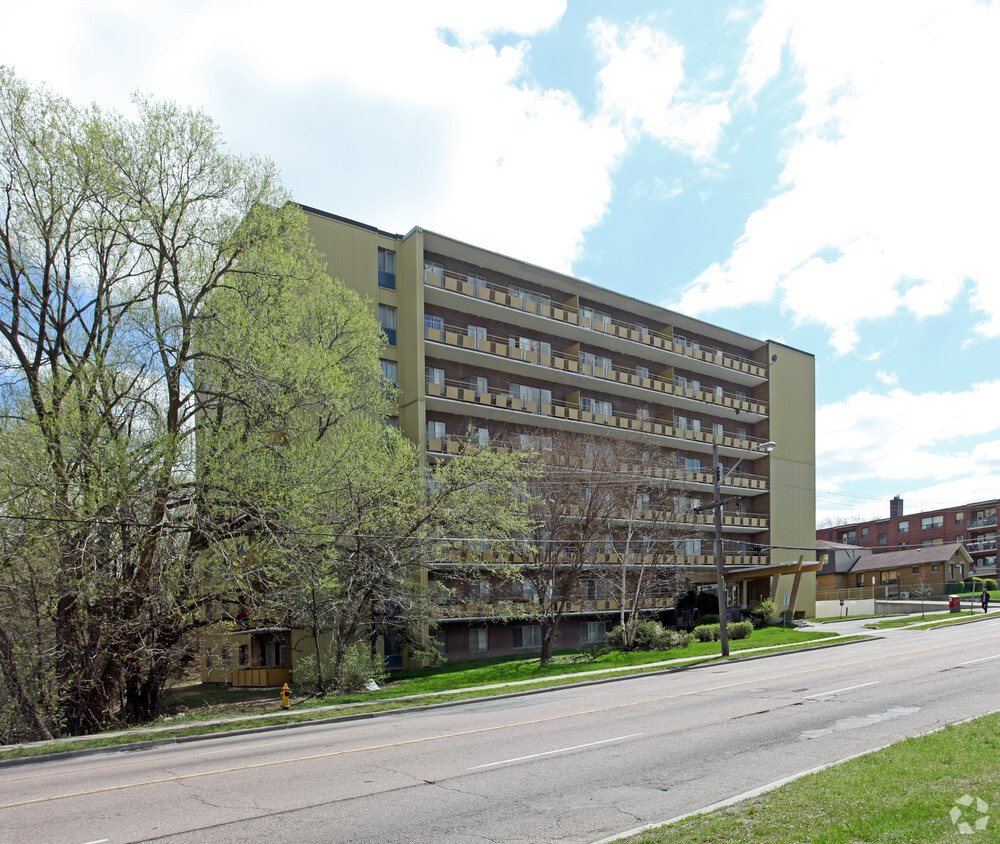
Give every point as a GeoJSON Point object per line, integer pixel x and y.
{"type": "Point", "coordinates": [26, 706]}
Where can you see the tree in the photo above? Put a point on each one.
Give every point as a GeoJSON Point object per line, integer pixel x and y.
{"type": "Point", "coordinates": [139, 390]}
{"type": "Point", "coordinates": [648, 517]}
{"type": "Point", "coordinates": [599, 516]}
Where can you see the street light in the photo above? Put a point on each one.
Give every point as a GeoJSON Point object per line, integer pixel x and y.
{"type": "Point", "coordinates": [720, 560]}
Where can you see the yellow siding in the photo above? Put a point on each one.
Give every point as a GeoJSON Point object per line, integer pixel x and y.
{"type": "Point", "coordinates": [792, 425]}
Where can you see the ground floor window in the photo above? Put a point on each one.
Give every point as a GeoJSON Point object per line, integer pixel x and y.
{"type": "Point", "coordinates": [592, 632]}
{"type": "Point", "coordinates": [272, 654]}
{"type": "Point", "coordinates": [478, 639]}
{"type": "Point", "coordinates": [244, 654]}
{"type": "Point", "coordinates": [528, 636]}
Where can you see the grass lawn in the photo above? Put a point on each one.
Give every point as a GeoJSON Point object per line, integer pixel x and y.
{"type": "Point", "coordinates": [910, 619]}
{"type": "Point", "coordinates": [904, 793]}
{"type": "Point", "coordinates": [461, 675]}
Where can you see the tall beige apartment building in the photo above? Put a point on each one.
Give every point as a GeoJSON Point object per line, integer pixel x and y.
{"type": "Point", "coordinates": [487, 346]}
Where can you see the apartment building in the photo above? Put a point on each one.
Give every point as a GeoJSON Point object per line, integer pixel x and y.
{"type": "Point", "coordinates": [486, 346]}
{"type": "Point", "coordinates": [974, 525]}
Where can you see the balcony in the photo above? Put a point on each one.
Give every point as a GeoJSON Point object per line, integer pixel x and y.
{"type": "Point", "coordinates": [569, 315]}
{"type": "Point", "coordinates": [981, 545]}
{"type": "Point", "coordinates": [983, 522]}
{"type": "Point", "coordinates": [489, 402]}
{"type": "Point", "coordinates": [749, 484]}
{"type": "Point", "coordinates": [500, 348]}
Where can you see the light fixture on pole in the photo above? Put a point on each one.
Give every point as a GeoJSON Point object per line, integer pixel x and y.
{"type": "Point", "coordinates": [720, 560]}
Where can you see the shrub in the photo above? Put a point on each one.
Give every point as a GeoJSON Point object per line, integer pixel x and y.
{"type": "Point", "coordinates": [680, 639]}
{"type": "Point", "coordinates": [651, 636]}
{"type": "Point", "coordinates": [989, 584]}
{"type": "Point", "coordinates": [740, 629]}
{"type": "Point", "coordinates": [707, 632]}
{"type": "Point", "coordinates": [358, 665]}
{"type": "Point", "coordinates": [588, 653]}
{"type": "Point", "coordinates": [615, 638]}
{"type": "Point", "coordinates": [711, 618]}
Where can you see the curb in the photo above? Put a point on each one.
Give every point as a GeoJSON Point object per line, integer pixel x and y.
{"type": "Point", "coordinates": [149, 744]}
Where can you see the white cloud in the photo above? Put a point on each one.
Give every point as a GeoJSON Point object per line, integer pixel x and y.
{"type": "Point", "coordinates": [888, 378]}
{"type": "Point", "coordinates": [886, 200]}
{"type": "Point", "coordinates": [643, 84]}
{"type": "Point", "coordinates": [903, 436]}
{"type": "Point", "coordinates": [396, 113]}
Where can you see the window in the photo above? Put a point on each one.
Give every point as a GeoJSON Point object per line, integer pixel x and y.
{"type": "Point", "coordinates": [436, 430]}
{"type": "Point", "coordinates": [478, 640]}
{"type": "Point", "coordinates": [481, 436]}
{"type": "Point", "coordinates": [534, 441]}
{"type": "Point", "coordinates": [849, 536]}
{"type": "Point", "coordinates": [683, 423]}
{"type": "Point", "coordinates": [883, 539]}
{"type": "Point", "coordinates": [599, 321]}
{"type": "Point", "coordinates": [390, 371]}
{"type": "Point", "coordinates": [244, 654]}
{"type": "Point", "coordinates": [272, 654]}
{"type": "Point", "coordinates": [915, 570]}
{"type": "Point", "coordinates": [592, 632]}
{"type": "Point", "coordinates": [959, 518]}
{"type": "Point", "coordinates": [433, 375]}
{"type": "Point", "coordinates": [528, 299]}
{"type": "Point", "coordinates": [528, 636]}
{"type": "Point", "coordinates": [523, 590]}
{"type": "Point", "coordinates": [717, 429]}
{"type": "Point", "coordinates": [441, 638]}
{"type": "Point", "coordinates": [600, 364]}
{"type": "Point", "coordinates": [642, 329]}
{"type": "Point", "coordinates": [642, 501]}
{"type": "Point", "coordinates": [596, 406]}
{"type": "Point", "coordinates": [864, 533]}
{"type": "Point", "coordinates": [889, 576]}
{"type": "Point", "coordinates": [529, 350]}
{"type": "Point", "coordinates": [859, 580]}
{"type": "Point", "coordinates": [642, 371]}
{"type": "Point", "coordinates": [478, 283]}
{"type": "Point", "coordinates": [478, 335]}
{"type": "Point", "coordinates": [642, 414]}
{"type": "Point", "coordinates": [225, 656]}
{"type": "Point", "coordinates": [392, 422]}
{"type": "Point", "coordinates": [594, 590]}
{"type": "Point", "coordinates": [387, 319]}
{"type": "Point", "coordinates": [718, 392]}
{"type": "Point", "coordinates": [526, 394]}
{"type": "Point", "coordinates": [479, 384]}
{"type": "Point", "coordinates": [433, 273]}
{"type": "Point", "coordinates": [386, 269]}
{"type": "Point", "coordinates": [431, 323]}
{"type": "Point", "coordinates": [903, 527]}
{"type": "Point", "coordinates": [208, 658]}
{"type": "Point", "coordinates": [931, 522]}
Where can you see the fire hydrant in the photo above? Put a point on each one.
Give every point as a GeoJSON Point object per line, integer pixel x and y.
{"type": "Point", "coordinates": [284, 696]}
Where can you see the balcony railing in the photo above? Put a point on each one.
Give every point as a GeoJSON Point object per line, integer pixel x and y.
{"type": "Point", "coordinates": [756, 483]}
{"type": "Point", "coordinates": [560, 409]}
{"type": "Point", "coordinates": [984, 521]}
{"type": "Point", "coordinates": [501, 348]}
{"type": "Point", "coordinates": [500, 295]}
{"type": "Point", "coordinates": [981, 545]}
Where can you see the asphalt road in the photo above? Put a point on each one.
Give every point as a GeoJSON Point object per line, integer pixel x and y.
{"type": "Point", "coordinates": [571, 764]}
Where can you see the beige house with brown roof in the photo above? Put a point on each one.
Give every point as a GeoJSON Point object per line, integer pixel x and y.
{"type": "Point", "coordinates": [934, 565]}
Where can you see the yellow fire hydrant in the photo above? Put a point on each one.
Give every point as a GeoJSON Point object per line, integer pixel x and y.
{"type": "Point", "coordinates": [284, 696]}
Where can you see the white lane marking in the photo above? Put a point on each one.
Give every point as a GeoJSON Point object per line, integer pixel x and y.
{"type": "Point", "coordinates": [845, 689]}
{"type": "Point", "coordinates": [984, 659]}
{"type": "Point", "coordinates": [98, 841]}
{"type": "Point", "coordinates": [550, 752]}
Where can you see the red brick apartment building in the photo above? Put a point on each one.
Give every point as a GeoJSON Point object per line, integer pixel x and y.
{"type": "Point", "coordinates": [973, 525]}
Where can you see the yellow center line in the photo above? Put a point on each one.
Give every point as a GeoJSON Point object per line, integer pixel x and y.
{"type": "Point", "coordinates": [332, 753]}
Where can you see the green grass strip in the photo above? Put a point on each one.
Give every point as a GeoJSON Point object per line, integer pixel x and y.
{"type": "Point", "coordinates": [905, 793]}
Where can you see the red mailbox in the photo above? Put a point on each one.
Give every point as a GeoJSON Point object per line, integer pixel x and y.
{"type": "Point", "coordinates": [953, 603]}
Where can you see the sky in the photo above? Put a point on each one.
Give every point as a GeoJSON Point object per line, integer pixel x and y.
{"type": "Point", "coordinates": [822, 174]}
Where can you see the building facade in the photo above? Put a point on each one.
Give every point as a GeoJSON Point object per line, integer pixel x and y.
{"type": "Point", "coordinates": [488, 347]}
{"type": "Point", "coordinates": [974, 525]}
